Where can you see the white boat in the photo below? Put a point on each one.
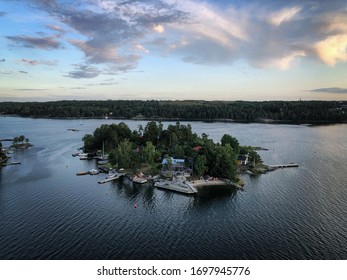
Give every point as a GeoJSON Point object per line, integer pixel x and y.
{"type": "Point", "coordinates": [139, 180]}
{"type": "Point", "coordinates": [112, 175]}
{"type": "Point", "coordinates": [182, 186]}
{"type": "Point", "coordinates": [93, 172]}
{"type": "Point", "coordinates": [103, 162]}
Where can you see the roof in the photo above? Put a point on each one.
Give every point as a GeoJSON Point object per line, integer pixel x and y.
{"type": "Point", "coordinates": [242, 157]}
{"type": "Point", "coordinates": [173, 161]}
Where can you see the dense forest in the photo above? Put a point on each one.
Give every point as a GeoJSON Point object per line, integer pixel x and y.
{"type": "Point", "coordinates": [284, 111]}
{"type": "Point", "coordinates": [149, 145]}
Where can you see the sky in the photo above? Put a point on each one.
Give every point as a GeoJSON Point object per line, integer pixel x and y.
{"type": "Point", "coordinates": [173, 50]}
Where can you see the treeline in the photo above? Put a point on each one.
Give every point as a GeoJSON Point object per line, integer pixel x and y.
{"type": "Point", "coordinates": [149, 145]}
{"type": "Point", "coordinates": [286, 111]}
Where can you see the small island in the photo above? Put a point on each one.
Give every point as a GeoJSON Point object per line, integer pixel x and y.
{"type": "Point", "coordinates": [171, 153]}
{"type": "Point", "coordinates": [18, 142]}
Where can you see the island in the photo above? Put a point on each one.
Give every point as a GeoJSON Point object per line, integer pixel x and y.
{"type": "Point", "coordinates": [170, 154]}
{"type": "Point", "coordinates": [18, 142]}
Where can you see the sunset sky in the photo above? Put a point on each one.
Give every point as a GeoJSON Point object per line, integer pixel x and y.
{"type": "Point", "coordinates": [173, 50]}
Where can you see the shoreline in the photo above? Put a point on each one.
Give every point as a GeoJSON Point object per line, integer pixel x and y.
{"type": "Point", "coordinates": [260, 121]}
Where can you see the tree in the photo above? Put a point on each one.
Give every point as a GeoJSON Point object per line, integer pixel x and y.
{"type": "Point", "coordinates": [152, 132]}
{"type": "Point", "coordinates": [224, 163]}
{"type": "Point", "coordinates": [149, 152]}
{"type": "Point", "coordinates": [122, 155]}
{"type": "Point", "coordinates": [21, 138]}
{"type": "Point", "coordinates": [232, 141]}
{"type": "Point", "coordinates": [200, 165]}
{"type": "Point", "coordinates": [89, 142]}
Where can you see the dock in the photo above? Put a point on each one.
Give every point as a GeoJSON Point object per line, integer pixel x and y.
{"type": "Point", "coordinates": [277, 166]}
{"type": "Point", "coordinates": [111, 178]}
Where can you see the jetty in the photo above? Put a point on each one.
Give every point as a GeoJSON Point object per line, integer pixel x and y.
{"type": "Point", "coordinates": [277, 166]}
{"type": "Point", "coordinates": [111, 177]}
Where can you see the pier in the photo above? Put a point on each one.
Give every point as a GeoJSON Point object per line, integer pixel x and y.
{"type": "Point", "coordinates": [277, 166]}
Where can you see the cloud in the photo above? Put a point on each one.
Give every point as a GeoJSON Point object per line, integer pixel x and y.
{"type": "Point", "coordinates": [2, 60]}
{"type": "Point", "coordinates": [23, 72]}
{"type": "Point", "coordinates": [46, 43]}
{"type": "Point", "coordinates": [112, 28]}
{"type": "Point", "coordinates": [2, 14]}
{"type": "Point", "coordinates": [31, 89]}
{"type": "Point", "coordinates": [56, 28]}
{"type": "Point", "coordinates": [38, 62]}
{"type": "Point", "coordinates": [83, 72]}
{"type": "Point", "coordinates": [332, 49]}
{"type": "Point", "coordinates": [6, 72]}
{"type": "Point", "coordinates": [284, 15]}
{"type": "Point", "coordinates": [159, 28]}
{"type": "Point", "coordinates": [336, 90]}
{"type": "Point", "coordinates": [270, 34]}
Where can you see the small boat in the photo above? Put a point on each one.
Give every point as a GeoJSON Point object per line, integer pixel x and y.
{"type": "Point", "coordinates": [82, 173]}
{"type": "Point", "coordinates": [93, 172]}
{"type": "Point", "coordinates": [103, 162]}
{"type": "Point", "coordinates": [14, 163]}
{"type": "Point", "coordinates": [139, 180]}
{"type": "Point", "coordinates": [112, 175]}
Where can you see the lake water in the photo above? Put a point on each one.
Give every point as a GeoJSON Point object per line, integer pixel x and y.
{"type": "Point", "coordinates": [47, 212]}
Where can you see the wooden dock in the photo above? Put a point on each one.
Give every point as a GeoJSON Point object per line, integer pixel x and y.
{"type": "Point", "coordinates": [290, 165]}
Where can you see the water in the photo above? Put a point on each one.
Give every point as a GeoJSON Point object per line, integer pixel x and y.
{"type": "Point", "coordinates": [47, 212]}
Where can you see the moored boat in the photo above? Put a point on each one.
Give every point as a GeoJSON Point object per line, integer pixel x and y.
{"type": "Point", "coordinates": [93, 172]}
{"type": "Point", "coordinates": [182, 186]}
{"type": "Point", "coordinates": [139, 180]}
{"type": "Point", "coordinates": [112, 175]}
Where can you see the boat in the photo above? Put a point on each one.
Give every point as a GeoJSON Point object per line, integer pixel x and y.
{"type": "Point", "coordinates": [93, 172]}
{"type": "Point", "coordinates": [139, 180]}
{"type": "Point", "coordinates": [82, 173]}
{"type": "Point", "coordinates": [103, 162]}
{"type": "Point", "coordinates": [14, 163]}
{"type": "Point", "coordinates": [112, 175]}
{"type": "Point", "coordinates": [177, 185]}
{"type": "Point", "coordinates": [85, 156]}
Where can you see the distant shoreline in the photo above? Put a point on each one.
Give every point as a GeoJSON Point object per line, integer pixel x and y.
{"type": "Point", "coordinates": [272, 112]}
{"type": "Point", "coordinates": [260, 121]}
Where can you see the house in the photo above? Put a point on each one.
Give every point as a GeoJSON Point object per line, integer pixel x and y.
{"type": "Point", "coordinates": [173, 166]}
{"type": "Point", "coordinates": [243, 159]}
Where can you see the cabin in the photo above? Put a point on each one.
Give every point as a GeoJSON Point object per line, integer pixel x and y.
{"type": "Point", "coordinates": [243, 159]}
{"type": "Point", "coordinates": [173, 166]}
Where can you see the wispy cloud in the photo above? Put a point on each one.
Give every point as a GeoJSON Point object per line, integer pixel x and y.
{"type": "Point", "coordinates": [56, 28]}
{"type": "Point", "coordinates": [38, 62]}
{"type": "Point", "coordinates": [31, 89]}
{"type": "Point", "coordinates": [331, 90]}
{"type": "Point", "coordinates": [2, 60]}
{"type": "Point", "coordinates": [6, 72]}
{"type": "Point", "coordinates": [23, 72]}
{"type": "Point", "coordinates": [46, 43]}
{"type": "Point", "coordinates": [83, 72]}
{"type": "Point", "coordinates": [2, 14]}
